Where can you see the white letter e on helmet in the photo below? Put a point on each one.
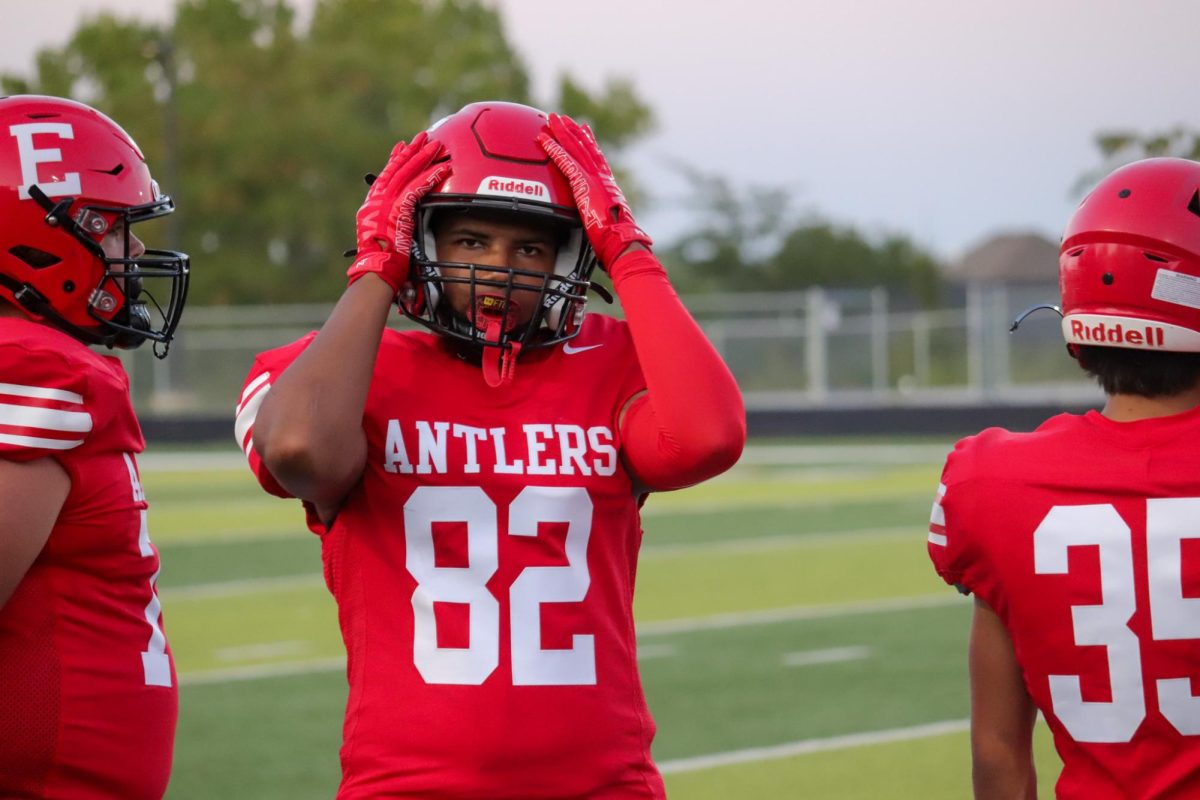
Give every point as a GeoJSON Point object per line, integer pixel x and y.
{"type": "Point", "coordinates": [31, 156]}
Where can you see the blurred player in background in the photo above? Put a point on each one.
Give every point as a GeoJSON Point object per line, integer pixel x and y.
{"type": "Point", "coordinates": [1081, 540]}
{"type": "Point", "coordinates": [88, 700]}
{"type": "Point", "coordinates": [477, 490]}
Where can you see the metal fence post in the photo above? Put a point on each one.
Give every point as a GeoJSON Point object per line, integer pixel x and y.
{"type": "Point", "coordinates": [815, 345]}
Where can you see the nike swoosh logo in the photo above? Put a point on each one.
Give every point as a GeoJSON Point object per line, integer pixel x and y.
{"type": "Point", "coordinates": [569, 350]}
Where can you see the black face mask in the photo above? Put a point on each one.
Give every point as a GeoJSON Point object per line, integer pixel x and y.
{"type": "Point", "coordinates": [149, 290]}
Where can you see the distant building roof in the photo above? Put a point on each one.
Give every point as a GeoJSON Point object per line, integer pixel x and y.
{"type": "Point", "coordinates": [1008, 258]}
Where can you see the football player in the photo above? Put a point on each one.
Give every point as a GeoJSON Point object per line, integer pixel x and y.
{"type": "Point", "coordinates": [1080, 540]}
{"type": "Point", "coordinates": [88, 702]}
{"type": "Point", "coordinates": [477, 488]}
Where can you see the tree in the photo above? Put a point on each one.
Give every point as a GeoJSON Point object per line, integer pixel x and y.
{"type": "Point", "coordinates": [1118, 148]}
{"type": "Point", "coordinates": [751, 241]}
{"type": "Point", "coordinates": [262, 131]}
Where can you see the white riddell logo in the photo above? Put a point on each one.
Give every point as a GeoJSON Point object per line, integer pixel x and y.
{"type": "Point", "coordinates": [513, 187]}
{"type": "Point", "coordinates": [569, 350]}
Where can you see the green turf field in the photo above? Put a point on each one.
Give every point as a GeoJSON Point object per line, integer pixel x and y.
{"type": "Point", "coordinates": [794, 640]}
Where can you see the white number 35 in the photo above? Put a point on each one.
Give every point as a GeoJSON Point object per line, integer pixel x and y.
{"type": "Point", "coordinates": [1172, 616]}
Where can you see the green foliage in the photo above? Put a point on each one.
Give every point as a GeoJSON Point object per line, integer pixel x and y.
{"type": "Point", "coordinates": [261, 130]}
{"type": "Point", "coordinates": [1118, 148]}
{"type": "Point", "coordinates": [749, 240]}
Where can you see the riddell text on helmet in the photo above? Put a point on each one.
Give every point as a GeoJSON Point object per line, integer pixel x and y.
{"type": "Point", "coordinates": [512, 187]}
{"type": "Point", "coordinates": [1102, 333]}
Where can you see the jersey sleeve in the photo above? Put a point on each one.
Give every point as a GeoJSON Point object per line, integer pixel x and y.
{"type": "Point", "coordinates": [267, 367]}
{"type": "Point", "coordinates": [46, 408]}
{"type": "Point", "coordinates": [950, 543]}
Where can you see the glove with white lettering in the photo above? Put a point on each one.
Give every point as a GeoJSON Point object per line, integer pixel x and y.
{"type": "Point", "coordinates": [602, 206]}
{"type": "Point", "coordinates": [387, 217]}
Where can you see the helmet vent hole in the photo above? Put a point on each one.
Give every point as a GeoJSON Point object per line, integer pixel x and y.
{"type": "Point", "coordinates": [1194, 204]}
{"type": "Point", "coordinates": [114, 171]}
{"type": "Point", "coordinates": [1159, 259]}
{"type": "Point", "coordinates": [1107, 278]}
{"type": "Point", "coordinates": [1076, 253]}
{"type": "Point", "coordinates": [1124, 193]}
{"type": "Point", "coordinates": [43, 115]}
{"type": "Point", "coordinates": [38, 259]}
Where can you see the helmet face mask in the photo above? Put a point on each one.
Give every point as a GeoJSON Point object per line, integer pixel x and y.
{"type": "Point", "coordinates": [499, 173]}
{"type": "Point", "coordinates": [1129, 264]}
{"type": "Point", "coordinates": [72, 185]}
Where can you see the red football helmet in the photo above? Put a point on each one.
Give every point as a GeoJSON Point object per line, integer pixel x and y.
{"type": "Point", "coordinates": [499, 166]}
{"type": "Point", "coordinates": [1129, 265]}
{"type": "Point", "coordinates": [68, 175]}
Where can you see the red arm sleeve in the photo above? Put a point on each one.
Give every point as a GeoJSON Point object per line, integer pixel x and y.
{"type": "Point", "coordinates": [691, 423]}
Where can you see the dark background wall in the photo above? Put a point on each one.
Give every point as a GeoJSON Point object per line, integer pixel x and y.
{"type": "Point", "coordinates": [776, 423]}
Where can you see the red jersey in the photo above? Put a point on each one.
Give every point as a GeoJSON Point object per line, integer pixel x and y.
{"type": "Point", "coordinates": [88, 702]}
{"type": "Point", "coordinates": [1083, 537]}
{"type": "Point", "coordinates": [484, 573]}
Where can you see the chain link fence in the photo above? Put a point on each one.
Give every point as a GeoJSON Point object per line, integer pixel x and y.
{"type": "Point", "coordinates": [808, 349]}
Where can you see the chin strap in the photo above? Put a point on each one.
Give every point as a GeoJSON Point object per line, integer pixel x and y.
{"type": "Point", "coordinates": [35, 304]}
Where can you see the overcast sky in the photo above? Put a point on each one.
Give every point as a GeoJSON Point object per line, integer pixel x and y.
{"type": "Point", "coordinates": [947, 120]}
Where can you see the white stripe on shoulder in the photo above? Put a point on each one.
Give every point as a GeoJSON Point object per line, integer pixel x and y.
{"type": "Point", "coordinates": [252, 386]}
{"type": "Point", "coordinates": [48, 419]}
{"type": "Point", "coordinates": [244, 425]}
{"type": "Point", "coordinates": [40, 393]}
{"type": "Point", "coordinates": [937, 515]}
{"type": "Point", "coordinates": [36, 442]}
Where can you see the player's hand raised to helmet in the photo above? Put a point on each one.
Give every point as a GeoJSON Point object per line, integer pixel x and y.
{"type": "Point", "coordinates": [387, 217]}
{"type": "Point", "coordinates": [602, 206]}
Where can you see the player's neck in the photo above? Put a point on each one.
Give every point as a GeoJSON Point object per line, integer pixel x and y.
{"type": "Point", "coordinates": [1133, 407]}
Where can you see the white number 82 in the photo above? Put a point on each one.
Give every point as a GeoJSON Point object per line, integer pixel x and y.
{"type": "Point", "coordinates": [531, 665]}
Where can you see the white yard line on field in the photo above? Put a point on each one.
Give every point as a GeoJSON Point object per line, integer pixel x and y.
{"type": "Point", "coordinates": [692, 506]}
{"type": "Point", "coordinates": [223, 589]}
{"type": "Point", "coordinates": [716, 622]}
{"type": "Point", "coordinates": [834, 655]}
{"type": "Point", "coordinates": [806, 746]}
{"type": "Point", "coordinates": [250, 652]}
{"type": "Point", "coordinates": [194, 461]}
{"type": "Point", "coordinates": [874, 454]}
{"type": "Point", "coordinates": [795, 613]}
{"type": "Point", "coordinates": [775, 541]}
{"type": "Point", "coordinates": [258, 671]}
{"type": "Point", "coordinates": [647, 652]}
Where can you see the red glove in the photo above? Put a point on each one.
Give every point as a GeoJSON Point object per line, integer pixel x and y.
{"type": "Point", "coordinates": [602, 206]}
{"type": "Point", "coordinates": [386, 219]}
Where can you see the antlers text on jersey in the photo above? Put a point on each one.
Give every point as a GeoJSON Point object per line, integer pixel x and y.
{"type": "Point", "coordinates": [440, 447]}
